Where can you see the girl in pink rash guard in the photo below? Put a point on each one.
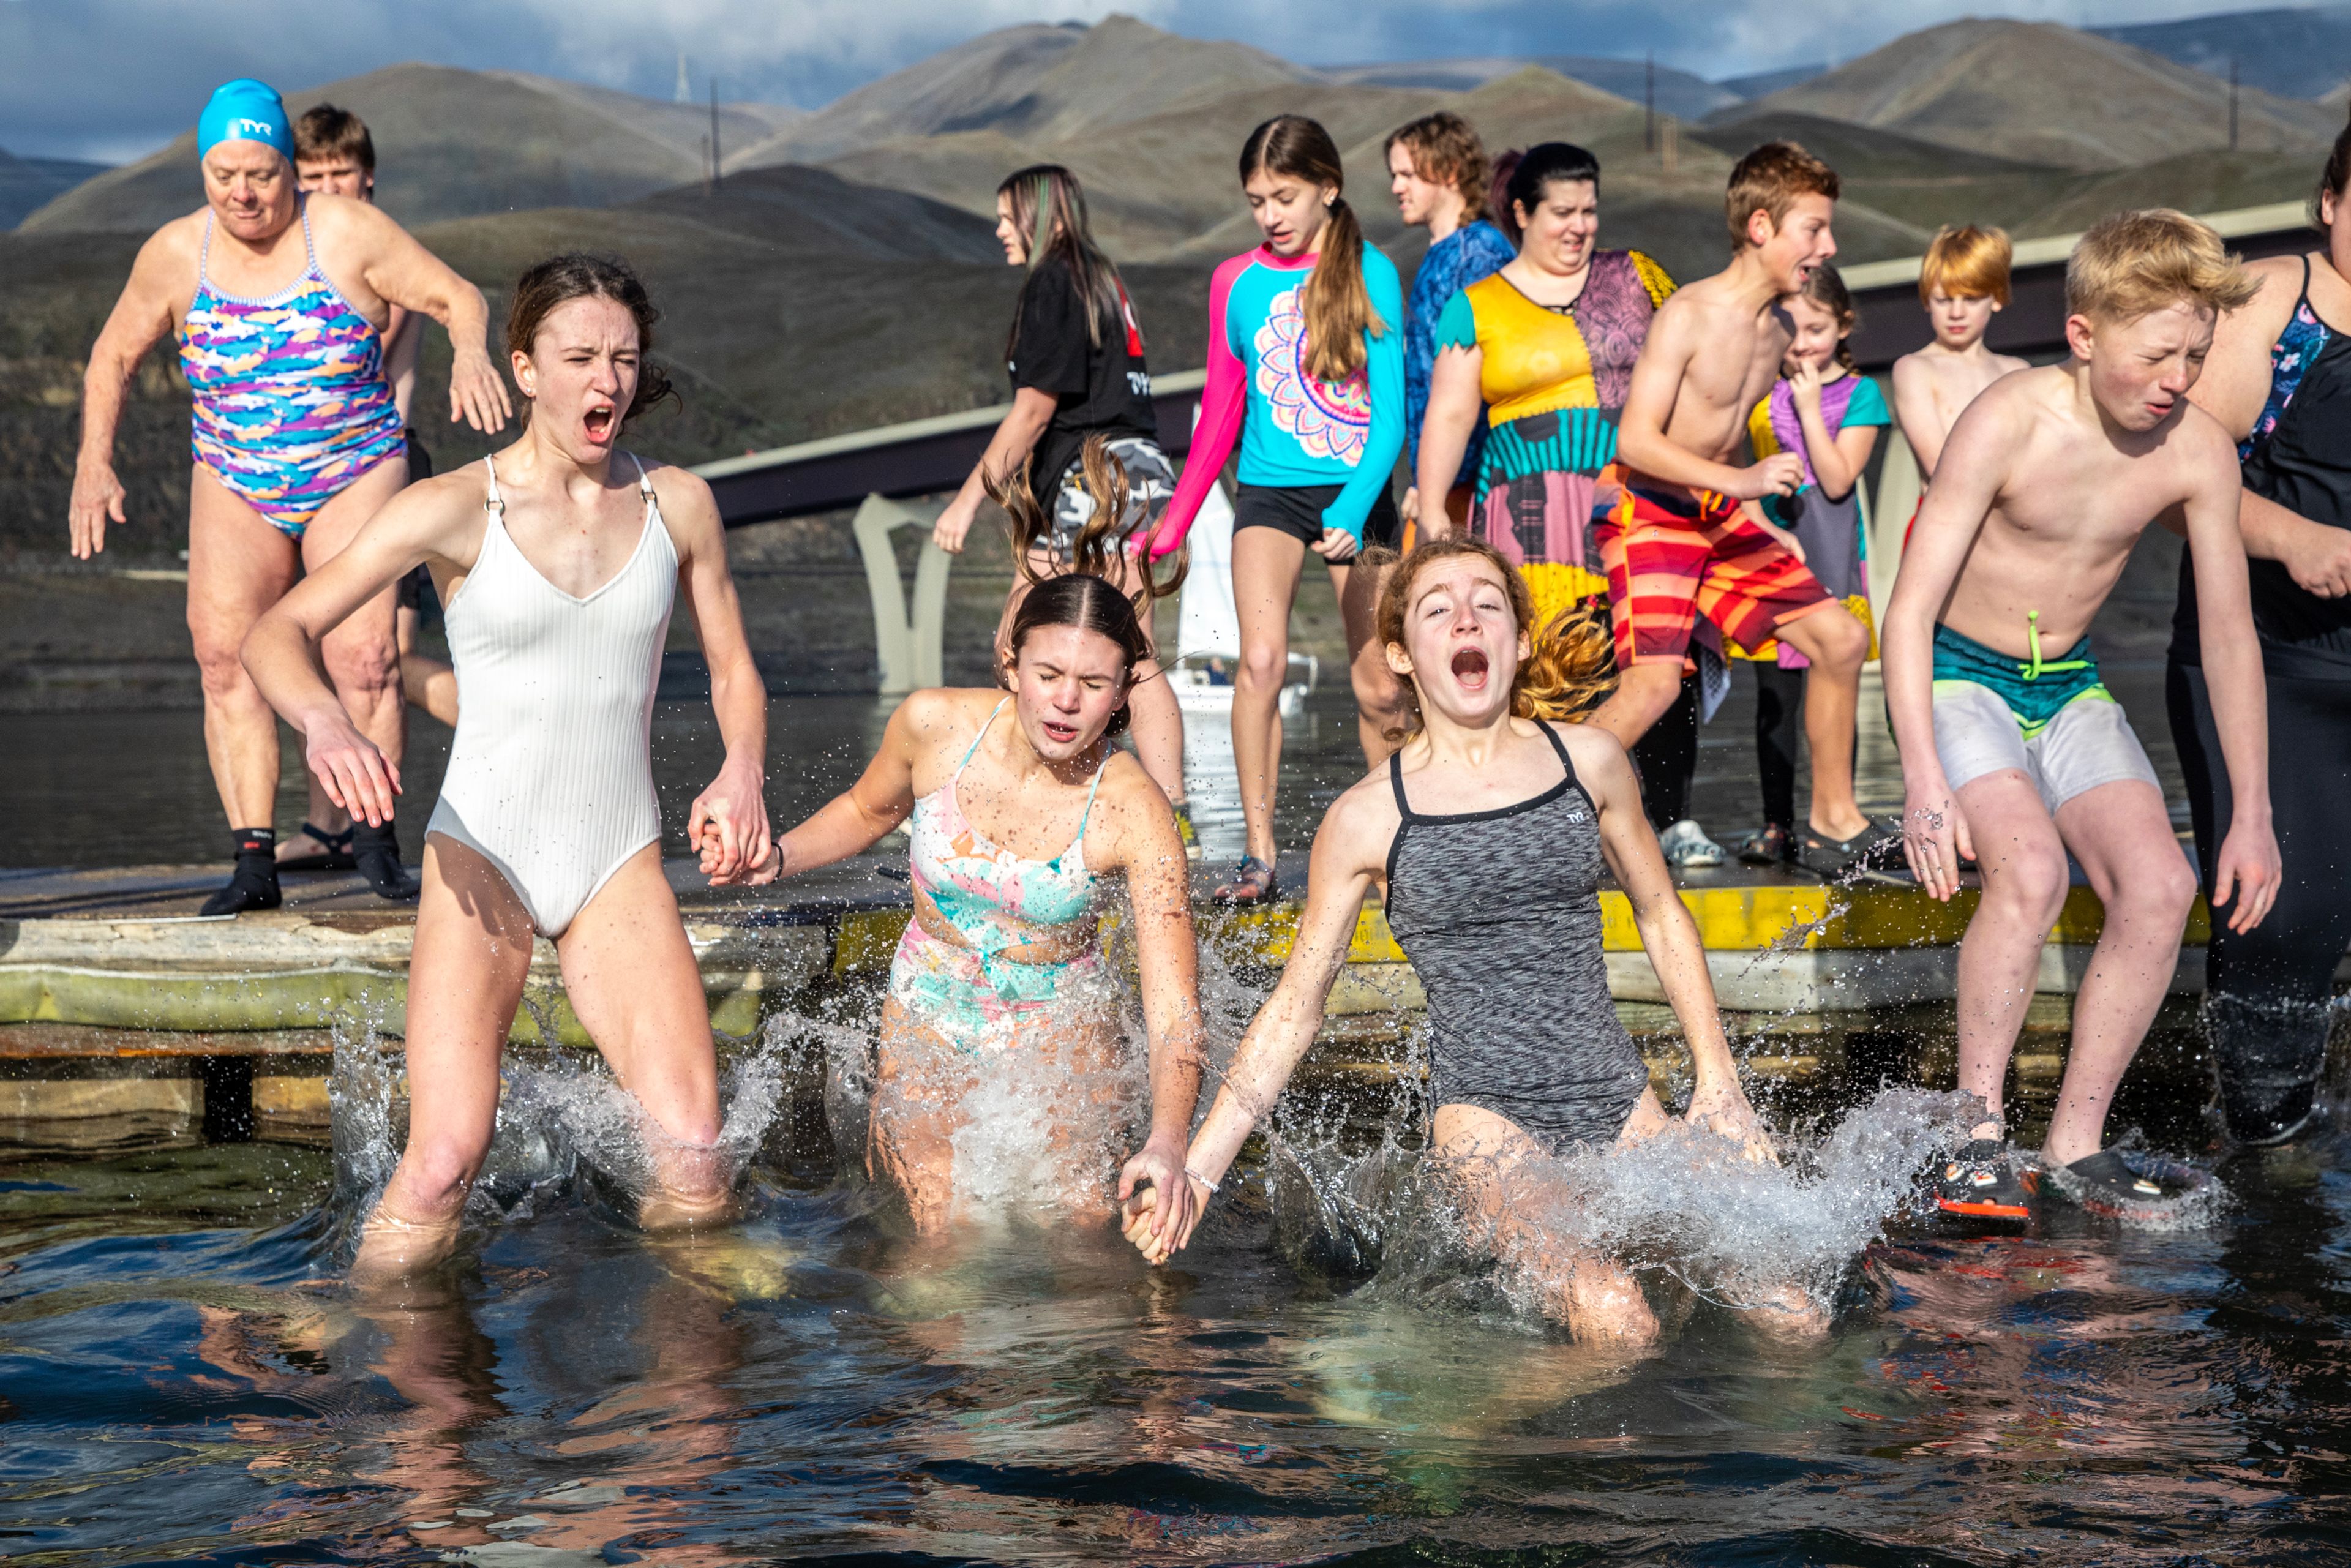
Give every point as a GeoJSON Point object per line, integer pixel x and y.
{"type": "Point", "coordinates": [1306, 373]}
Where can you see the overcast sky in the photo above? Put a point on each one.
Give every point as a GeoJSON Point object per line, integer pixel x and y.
{"type": "Point", "coordinates": [113, 80]}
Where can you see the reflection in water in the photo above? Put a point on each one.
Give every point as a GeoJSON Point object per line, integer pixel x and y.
{"type": "Point", "coordinates": [1331, 1372]}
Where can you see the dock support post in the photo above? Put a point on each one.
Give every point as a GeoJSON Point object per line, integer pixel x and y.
{"type": "Point", "coordinates": [229, 1098]}
{"type": "Point", "coordinates": [910, 646]}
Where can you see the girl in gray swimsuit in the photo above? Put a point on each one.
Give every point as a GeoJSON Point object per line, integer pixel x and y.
{"type": "Point", "coordinates": [1490, 831]}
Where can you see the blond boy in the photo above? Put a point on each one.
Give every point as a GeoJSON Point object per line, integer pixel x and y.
{"type": "Point", "coordinates": [1963, 283]}
{"type": "Point", "coordinates": [2014, 753]}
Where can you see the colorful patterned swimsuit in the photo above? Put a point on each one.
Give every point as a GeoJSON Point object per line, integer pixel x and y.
{"type": "Point", "coordinates": [291, 403]}
{"type": "Point", "coordinates": [966, 991]}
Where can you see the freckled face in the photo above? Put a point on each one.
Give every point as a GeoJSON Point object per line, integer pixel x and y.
{"type": "Point", "coordinates": [1067, 682]}
{"type": "Point", "coordinates": [1462, 645]}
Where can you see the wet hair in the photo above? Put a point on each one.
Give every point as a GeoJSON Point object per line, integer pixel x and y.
{"type": "Point", "coordinates": [1101, 547]}
{"type": "Point", "coordinates": [2336, 179]}
{"type": "Point", "coordinates": [326, 132]}
{"type": "Point", "coordinates": [1337, 310]}
{"type": "Point", "coordinates": [1570, 669]}
{"type": "Point", "coordinates": [1444, 148]}
{"type": "Point", "coordinates": [1825, 287]}
{"type": "Point", "coordinates": [2132, 264]}
{"type": "Point", "coordinates": [1770, 180]}
{"type": "Point", "coordinates": [575, 274]}
{"type": "Point", "coordinates": [1967, 263]}
{"type": "Point", "coordinates": [1532, 176]}
{"type": "Point", "coordinates": [1091, 604]}
{"type": "Point", "coordinates": [1049, 210]}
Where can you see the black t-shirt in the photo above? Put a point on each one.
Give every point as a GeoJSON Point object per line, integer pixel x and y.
{"type": "Point", "coordinates": [1099, 387]}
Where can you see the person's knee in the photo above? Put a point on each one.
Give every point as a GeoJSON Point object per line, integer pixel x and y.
{"type": "Point", "coordinates": [2029, 881]}
{"type": "Point", "coordinates": [1650, 690]}
{"type": "Point", "coordinates": [2160, 887]}
{"type": "Point", "coordinates": [362, 667]}
{"type": "Point", "coordinates": [1261, 669]}
{"type": "Point", "coordinates": [1842, 641]}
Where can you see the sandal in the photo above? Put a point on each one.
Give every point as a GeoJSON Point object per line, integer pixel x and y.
{"type": "Point", "coordinates": [335, 855]}
{"type": "Point", "coordinates": [1253, 883]}
{"type": "Point", "coordinates": [1771, 844]}
{"type": "Point", "coordinates": [1981, 1182]}
{"type": "Point", "coordinates": [2131, 1185]}
{"type": "Point", "coordinates": [1877, 847]}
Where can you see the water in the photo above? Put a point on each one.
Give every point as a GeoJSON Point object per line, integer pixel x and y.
{"type": "Point", "coordinates": [1331, 1373]}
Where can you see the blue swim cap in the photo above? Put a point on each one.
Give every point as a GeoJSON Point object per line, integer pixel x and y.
{"type": "Point", "coordinates": [244, 111]}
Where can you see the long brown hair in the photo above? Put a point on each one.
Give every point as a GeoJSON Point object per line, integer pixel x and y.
{"type": "Point", "coordinates": [1337, 310]}
{"type": "Point", "coordinates": [576, 275]}
{"type": "Point", "coordinates": [1048, 209]}
{"type": "Point", "coordinates": [1101, 547]}
{"type": "Point", "coordinates": [1091, 604]}
{"type": "Point", "coordinates": [1572, 665]}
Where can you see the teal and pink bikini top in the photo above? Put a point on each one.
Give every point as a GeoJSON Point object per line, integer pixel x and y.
{"type": "Point", "coordinates": [995, 900]}
{"type": "Point", "coordinates": [291, 403]}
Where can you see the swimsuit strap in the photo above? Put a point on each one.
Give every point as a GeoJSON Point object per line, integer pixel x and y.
{"type": "Point", "coordinates": [974, 749]}
{"type": "Point", "coordinates": [1396, 782]}
{"type": "Point", "coordinates": [2040, 667]}
{"type": "Point", "coordinates": [496, 504]}
{"type": "Point", "coordinates": [1086, 816]}
{"type": "Point", "coordinates": [1559, 747]}
{"type": "Point", "coordinates": [204, 255]}
{"type": "Point", "coordinates": [645, 485]}
{"type": "Point", "coordinates": [310, 251]}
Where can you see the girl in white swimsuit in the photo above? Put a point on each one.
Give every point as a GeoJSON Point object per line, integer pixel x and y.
{"type": "Point", "coordinates": [559, 569]}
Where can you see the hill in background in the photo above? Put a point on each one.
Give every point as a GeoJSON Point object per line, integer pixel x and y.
{"type": "Point", "coordinates": [27, 185]}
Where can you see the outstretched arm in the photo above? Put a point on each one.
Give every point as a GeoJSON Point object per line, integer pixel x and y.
{"type": "Point", "coordinates": [1142, 843]}
{"type": "Point", "coordinates": [140, 316]}
{"type": "Point", "coordinates": [2247, 870]}
{"type": "Point", "coordinates": [406, 274]}
{"type": "Point", "coordinates": [1671, 939]}
{"type": "Point", "coordinates": [728, 821]}
{"type": "Point", "coordinates": [1935, 836]}
{"type": "Point", "coordinates": [855, 819]}
{"type": "Point", "coordinates": [1342, 872]}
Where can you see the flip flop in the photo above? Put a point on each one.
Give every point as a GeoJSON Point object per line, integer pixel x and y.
{"type": "Point", "coordinates": [336, 856]}
{"type": "Point", "coordinates": [1982, 1182]}
{"type": "Point", "coordinates": [2131, 1185]}
{"type": "Point", "coordinates": [1877, 847]}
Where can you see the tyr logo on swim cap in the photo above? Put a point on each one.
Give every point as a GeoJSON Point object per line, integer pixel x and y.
{"type": "Point", "coordinates": [244, 111]}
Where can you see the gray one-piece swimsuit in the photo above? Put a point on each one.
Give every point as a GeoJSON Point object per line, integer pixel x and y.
{"type": "Point", "coordinates": [1500, 912]}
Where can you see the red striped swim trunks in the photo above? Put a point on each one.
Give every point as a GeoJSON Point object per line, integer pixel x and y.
{"type": "Point", "coordinates": [1673, 555]}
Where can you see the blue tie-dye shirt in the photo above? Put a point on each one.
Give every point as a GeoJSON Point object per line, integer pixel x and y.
{"type": "Point", "coordinates": [1469, 252]}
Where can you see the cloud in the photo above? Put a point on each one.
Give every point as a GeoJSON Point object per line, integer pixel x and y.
{"type": "Point", "coordinates": [115, 78]}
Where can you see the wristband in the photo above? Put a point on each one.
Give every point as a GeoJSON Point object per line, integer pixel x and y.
{"type": "Point", "coordinates": [1196, 1176]}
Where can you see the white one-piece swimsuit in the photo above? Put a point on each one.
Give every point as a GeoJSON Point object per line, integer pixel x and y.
{"type": "Point", "coordinates": [551, 778]}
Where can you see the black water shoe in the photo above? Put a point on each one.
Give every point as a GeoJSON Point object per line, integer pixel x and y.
{"type": "Point", "coordinates": [2131, 1185]}
{"type": "Point", "coordinates": [1982, 1182]}
{"type": "Point", "coordinates": [254, 884]}
{"type": "Point", "coordinates": [377, 852]}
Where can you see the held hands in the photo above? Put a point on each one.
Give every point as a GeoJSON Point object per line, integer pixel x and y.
{"type": "Point", "coordinates": [1159, 1204]}
{"type": "Point", "coordinates": [1721, 1108]}
{"type": "Point", "coordinates": [727, 827]}
{"type": "Point", "coordinates": [1336, 546]}
{"type": "Point", "coordinates": [2318, 558]}
{"type": "Point", "coordinates": [477, 393]}
{"type": "Point", "coordinates": [1935, 839]}
{"type": "Point", "coordinates": [97, 497]}
{"type": "Point", "coordinates": [2248, 871]}
{"type": "Point", "coordinates": [1781, 473]}
{"type": "Point", "coordinates": [352, 770]}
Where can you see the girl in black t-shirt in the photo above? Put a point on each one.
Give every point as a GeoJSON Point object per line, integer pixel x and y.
{"type": "Point", "coordinates": [1075, 355]}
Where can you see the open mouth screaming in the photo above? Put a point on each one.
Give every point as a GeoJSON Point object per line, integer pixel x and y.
{"type": "Point", "coordinates": [1471, 668]}
{"type": "Point", "coordinates": [599, 423]}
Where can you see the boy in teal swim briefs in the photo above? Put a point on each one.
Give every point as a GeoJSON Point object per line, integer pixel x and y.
{"type": "Point", "coordinates": [2014, 751]}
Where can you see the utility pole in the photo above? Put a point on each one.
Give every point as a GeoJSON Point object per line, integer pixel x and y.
{"type": "Point", "coordinates": [1649, 106]}
{"type": "Point", "coordinates": [2233, 103]}
{"type": "Point", "coordinates": [714, 131]}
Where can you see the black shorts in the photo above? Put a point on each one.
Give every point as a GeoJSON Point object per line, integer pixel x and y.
{"type": "Point", "coordinates": [1298, 512]}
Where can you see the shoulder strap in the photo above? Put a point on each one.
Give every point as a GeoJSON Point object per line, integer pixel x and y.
{"type": "Point", "coordinates": [496, 502]}
{"type": "Point", "coordinates": [310, 251]}
{"type": "Point", "coordinates": [204, 255]}
{"type": "Point", "coordinates": [1559, 747]}
{"type": "Point", "coordinates": [973, 750]}
{"type": "Point", "coordinates": [1396, 782]}
{"type": "Point", "coordinates": [1091, 790]}
{"type": "Point", "coordinates": [644, 483]}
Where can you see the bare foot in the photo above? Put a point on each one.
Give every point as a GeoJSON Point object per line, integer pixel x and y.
{"type": "Point", "coordinates": [670, 1208]}
{"type": "Point", "coordinates": [393, 1249]}
{"type": "Point", "coordinates": [1601, 1303]}
{"type": "Point", "coordinates": [1786, 1312]}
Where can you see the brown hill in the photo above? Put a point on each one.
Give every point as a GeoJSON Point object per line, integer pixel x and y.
{"type": "Point", "coordinates": [1042, 84]}
{"type": "Point", "coordinates": [454, 143]}
{"type": "Point", "coordinates": [2044, 94]}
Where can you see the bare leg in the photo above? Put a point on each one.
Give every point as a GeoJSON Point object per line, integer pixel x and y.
{"type": "Point", "coordinates": [1595, 1297]}
{"type": "Point", "coordinates": [631, 975]}
{"type": "Point", "coordinates": [2025, 879]}
{"type": "Point", "coordinates": [2122, 835]}
{"type": "Point", "coordinates": [919, 1088]}
{"type": "Point", "coordinates": [1266, 567]}
{"type": "Point", "coordinates": [361, 657]}
{"type": "Point", "coordinates": [1642, 694]}
{"type": "Point", "coordinates": [1837, 643]}
{"type": "Point", "coordinates": [1379, 695]}
{"type": "Point", "coordinates": [238, 566]}
{"type": "Point", "coordinates": [464, 980]}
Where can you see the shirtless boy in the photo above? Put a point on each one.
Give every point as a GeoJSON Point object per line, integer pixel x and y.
{"type": "Point", "coordinates": [2014, 757]}
{"type": "Point", "coordinates": [1963, 284]}
{"type": "Point", "coordinates": [1674, 541]}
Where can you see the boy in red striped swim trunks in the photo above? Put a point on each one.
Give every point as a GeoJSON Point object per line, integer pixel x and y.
{"type": "Point", "coordinates": [1676, 541]}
